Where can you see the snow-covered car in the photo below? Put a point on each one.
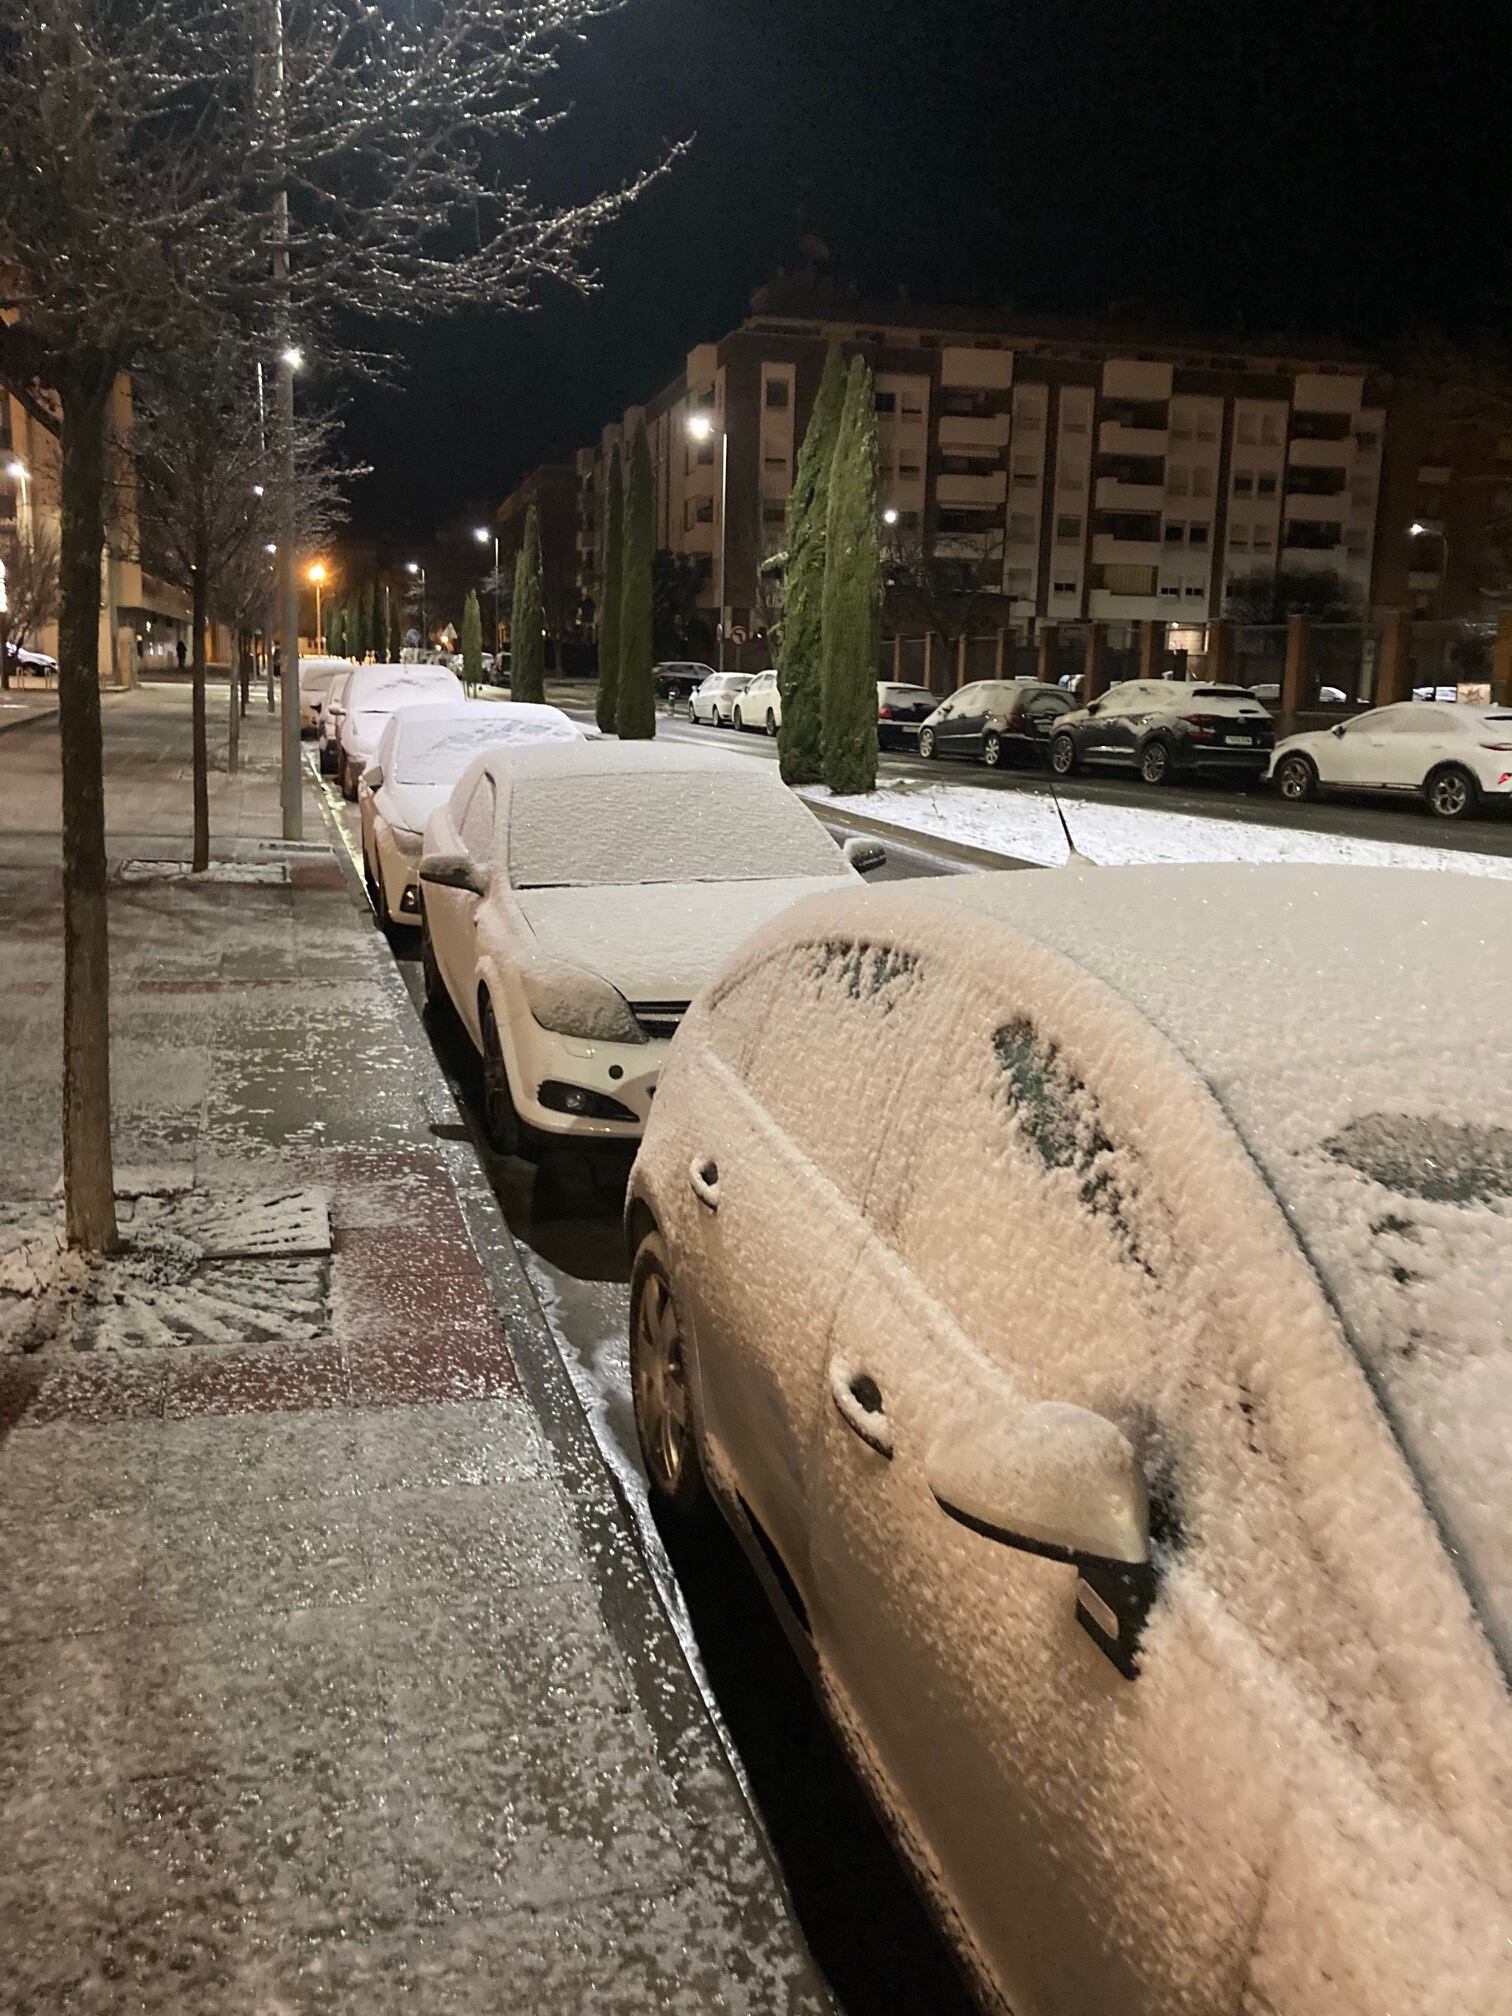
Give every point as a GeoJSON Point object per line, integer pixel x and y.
{"type": "Point", "coordinates": [421, 754]}
{"type": "Point", "coordinates": [1162, 727]}
{"type": "Point", "coordinates": [575, 898]}
{"type": "Point", "coordinates": [713, 702]}
{"type": "Point", "coordinates": [317, 676]}
{"type": "Point", "coordinates": [36, 664]}
{"type": "Point", "coordinates": [901, 711]}
{"type": "Point", "coordinates": [1269, 690]}
{"type": "Point", "coordinates": [994, 721]}
{"type": "Point", "coordinates": [370, 695]}
{"type": "Point", "coordinates": [1103, 1355]}
{"type": "Point", "coordinates": [1453, 757]}
{"type": "Point", "coordinates": [760, 705]}
{"type": "Point", "coordinates": [675, 679]}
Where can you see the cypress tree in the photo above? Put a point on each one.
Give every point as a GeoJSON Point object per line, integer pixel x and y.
{"type": "Point", "coordinates": [852, 595]}
{"type": "Point", "coordinates": [472, 642]}
{"type": "Point", "coordinates": [350, 628]}
{"type": "Point", "coordinates": [609, 607]}
{"type": "Point", "coordinates": [335, 637]}
{"type": "Point", "coordinates": [395, 631]}
{"type": "Point", "coordinates": [528, 675]}
{"type": "Point", "coordinates": [800, 664]}
{"type": "Point", "coordinates": [637, 693]}
{"type": "Point", "coordinates": [365, 617]}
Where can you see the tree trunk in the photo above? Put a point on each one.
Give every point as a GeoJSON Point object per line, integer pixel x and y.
{"type": "Point", "coordinates": [201, 857]}
{"type": "Point", "coordinates": [88, 1173]}
{"type": "Point", "coordinates": [233, 687]}
{"type": "Point", "coordinates": [4, 652]}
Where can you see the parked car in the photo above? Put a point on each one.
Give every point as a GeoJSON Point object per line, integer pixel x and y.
{"type": "Point", "coordinates": [713, 702]}
{"type": "Point", "coordinates": [677, 677]}
{"type": "Point", "coordinates": [760, 705]}
{"type": "Point", "coordinates": [1103, 1358]}
{"type": "Point", "coordinates": [36, 664]}
{"type": "Point", "coordinates": [317, 676]}
{"type": "Point", "coordinates": [1161, 727]}
{"type": "Point", "coordinates": [576, 898]}
{"type": "Point", "coordinates": [995, 721]}
{"type": "Point", "coordinates": [900, 711]}
{"type": "Point", "coordinates": [421, 754]}
{"type": "Point", "coordinates": [1454, 757]}
{"type": "Point", "coordinates": [1269, 690]}
{"type": "Point", "coordinates": [371, 694]}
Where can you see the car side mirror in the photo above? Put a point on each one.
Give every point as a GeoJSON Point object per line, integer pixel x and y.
{"type": "Point", "coordinates": [1064, 1483]}
{"type": "Point", "coordinates": [373, 776]}
{"type": "Point", "coordinates": [456, 871]}
{"type": "Point", "coordinates": [865, 856]}
{"type": "Point", "coordinates": [1339, 730]}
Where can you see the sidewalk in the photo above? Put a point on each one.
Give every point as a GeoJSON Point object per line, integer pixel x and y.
{"type": "Point", "coordinates": [20, 705]}
{"type": "Point", "coordinates": [330, 1679]}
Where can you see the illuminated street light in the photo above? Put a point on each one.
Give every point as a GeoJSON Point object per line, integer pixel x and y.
{"type": "Point", "coordinates": [270, 547]}
{"type": "Point", "coordinates": [16, 469]}
{"type": "Point", "coordinates": [293, 357]}
{"type": "Point", "coordinates": [414, 567]}
{"type": "Point", "coordinates": [889, 516]}
{"type": "Point", "coordinates": [317, 576]}
{"type": "Point", "coordinates": [701, 427]}
{"type": "Point", "coordinates": [257, 490]}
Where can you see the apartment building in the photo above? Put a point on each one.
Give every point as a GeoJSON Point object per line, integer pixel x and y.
{"type": "Point", "coordinates": [1067, 472]}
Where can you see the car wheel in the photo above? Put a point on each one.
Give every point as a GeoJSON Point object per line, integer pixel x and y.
{"type": "Point", "coordinates": [1451, 792]}
{"type": "Point", "coordinates": [992, 751]}
{"type": "Point", "coordinates": [327, 761]}
{"type": "Point", "coordinates": [771, 722]}
{"type": "Point", "coordinates": [736, 722]}
{"type": "Point", "coordinates": [1062, 755]}
{"type": "Point", "coordinates": [661, 1390]}
{"type": "Point", "coordinates": [927, 744]}
{"type": "Point", "coordinates": [501, 1123]}
{"type": "Point", "coordinates": [1155, 761]}
{"type": "Point", "coordinates": [348, 782]}
{"type": "Point", "coordinates": [1296, 778]}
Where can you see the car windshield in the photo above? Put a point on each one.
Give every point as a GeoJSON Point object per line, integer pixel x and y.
{"type": "Point", "coordinates": [600, 831]}
{"type": "Point", "coordinates": [437, 752]}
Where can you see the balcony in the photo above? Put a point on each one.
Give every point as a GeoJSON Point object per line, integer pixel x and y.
{"type": "Point", "coordinates": [981, 370]}
{"type": "Point", "coordinates": [1116, 495]}
{"type": "Point", "coordinates": [953, 492]}
{"type": "Point", "coordinates": [973, 434]}
{"type": "Point", "coordinates": [1305, 453]}
{"type": "Point", "coordinates": [1110, 552]}
{"type": "Point", "coordinates": [1113, 438]}
{"type": "Point", "coordinates": [1423, 579]}
{"type": "Point", "coordinates": [961, 546]}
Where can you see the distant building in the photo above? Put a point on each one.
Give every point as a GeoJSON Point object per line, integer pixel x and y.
{"type": "Point", "coordinates": [1054, 472]}
{"type": "Point", "coordinates": [552, 489]}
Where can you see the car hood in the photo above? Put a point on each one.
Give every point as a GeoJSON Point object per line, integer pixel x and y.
{"type": "Point", "coordinates": [660, 941]}
{"type": "Point", "coordinates": [410, 804]}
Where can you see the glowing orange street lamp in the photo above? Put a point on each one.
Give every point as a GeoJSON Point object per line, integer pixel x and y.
{"type": "Point", "coordinates": [318, 576]}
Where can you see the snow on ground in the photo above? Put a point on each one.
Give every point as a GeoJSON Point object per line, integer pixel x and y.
{"type": "Point", "coordinates": [1024, 825]}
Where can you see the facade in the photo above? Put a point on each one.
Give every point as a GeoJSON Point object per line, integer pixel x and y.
{"type": "Point", "coordinates": [1056, 473]}
{"type": "Point", "coordinates": [553, 490]}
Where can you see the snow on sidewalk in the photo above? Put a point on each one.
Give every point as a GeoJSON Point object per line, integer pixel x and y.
{"type": "Point", "coordinates": [1023, 825]}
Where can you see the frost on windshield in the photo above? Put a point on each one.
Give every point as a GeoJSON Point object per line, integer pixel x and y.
{"type": "Point", "coordinates": [1441, 1160]}
{"type": "Point", "coordinates": [439, 753]}
{"type": "Point", "coordinates": [878, 973]}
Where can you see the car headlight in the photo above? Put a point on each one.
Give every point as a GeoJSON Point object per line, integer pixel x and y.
{"type": "Point", "coordinates": [407, 840]}
{"type": "Point", "coordinates": [571, 1002]}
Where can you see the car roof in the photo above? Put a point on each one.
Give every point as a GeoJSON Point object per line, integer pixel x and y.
{"type": "Point", "coordinates": [618, 759]}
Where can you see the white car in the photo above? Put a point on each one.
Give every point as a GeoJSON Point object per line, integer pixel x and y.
{"type": "Point", "coordinates": [1096, 1334]}
{"type": "Point", "coordinates": [759, 705]}
{"type": "Point", "coordinates": [713, 702]}
{"type": "Point", "coordinates": [317, 676]}
{"type": "Point", "coordinates": [1269, 690]}
{"type": "Point", "coordinates": [1455, 757]}
{"type": "Point", "coordinates": [576, 898]}
{"type": "Point", "coordinates": [369, 696]}
{"type": "Point", "coordinates": [421, 754]}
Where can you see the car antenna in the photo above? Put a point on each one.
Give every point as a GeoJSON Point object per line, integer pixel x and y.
{"type": "Point", "coordinates": [1073, 852]}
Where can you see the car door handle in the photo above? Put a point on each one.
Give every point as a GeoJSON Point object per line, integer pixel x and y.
{"type": "Point", "coordinates": [703, 1181]}
{"type": "Point", "coordinates": [859, 1403]}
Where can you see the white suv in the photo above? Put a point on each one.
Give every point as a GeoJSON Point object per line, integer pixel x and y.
{"type": "Point", "coordinates": [713, 703]}
{"type": "Point", "coordinates": [760, 706]}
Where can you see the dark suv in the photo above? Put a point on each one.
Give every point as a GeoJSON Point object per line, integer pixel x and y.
{"type": "Point", "coordinates": [995, 721]}
{"type": "Point", "coordinates": [1160, 726]}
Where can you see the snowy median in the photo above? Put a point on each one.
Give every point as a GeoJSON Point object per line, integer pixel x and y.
{"type": "Point", "coordinates": [1023, 826]}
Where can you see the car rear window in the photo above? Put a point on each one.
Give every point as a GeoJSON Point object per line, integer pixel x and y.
{"type": "Point", "coordinates": [1220, 693]}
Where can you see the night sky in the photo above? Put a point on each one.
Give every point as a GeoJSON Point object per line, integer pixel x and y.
{"type": "Point", "coordinates": [1323, 166]}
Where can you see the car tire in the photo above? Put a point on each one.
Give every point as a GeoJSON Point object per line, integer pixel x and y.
{"type": "Point", "coordinates": [1296, 778]}
{"type": "Point", "coordinates": [1063, 758]}
{"type": "Point", "coordinates": [661, 1388]}
{"type": "Point", "coordinates": [737, 722]}
{"type": "Point", "coordinates": [348, 782]}
{"type": "Point", "coordinates": [1155, 761]}
{"type": "Point", "coordinates": [992, 751]}
{"type": "Point", "coordinates": [927, 744]}
{"type": "Point", "coordinates": [771, 722]}
{"type": "Point", "coordinates": [501, 1122]}
{"type": "Point", "coordinates": [437, 1000]}
{"type": "Point", "coordinates": [1451, 792]}
{"type": "Point", "coordinates": [327, 761]}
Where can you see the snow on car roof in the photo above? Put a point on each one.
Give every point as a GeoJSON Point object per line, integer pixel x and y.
{"type": "Point", "coordinates": [1352, 1023]}
{"type": "Point", "coordinates": [622, 758]}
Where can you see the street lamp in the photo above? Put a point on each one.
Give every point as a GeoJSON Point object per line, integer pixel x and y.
{"type": "Point", "coordinates": [890, 516]}
{"type": "Point", "coordinates": [293, 356]}
{"type": "Point", "coordinates": [414, 567]}
{"type": "Point", "coordinates": [318, 577]}
{"type": "Point", "coordinates": [1418, 530]}
{"type": "Point", "coordinates": [482, 534]}
{"type": "Point", "coordinates": [702, 428]}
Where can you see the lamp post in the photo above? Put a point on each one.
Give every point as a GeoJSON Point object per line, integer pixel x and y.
{"type": "Point", "coordinates": [1418, 530]}
{"type": "Point", "coordinates": [318, 576]}
{"type": "Point", "coordinates": [702, 428]}
{"type": "Point", "coordinates": [414, 567]}
{"type": "Point", "coordinates": [20, 475]}
{"type": "Point", "coordinates": [482, 534]}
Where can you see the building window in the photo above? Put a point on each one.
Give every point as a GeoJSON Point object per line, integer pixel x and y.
{"type": "Point", "coordinates": [1194, 594]}
{"type": "Point", "coordinates": [1367, 437]}
{"type": "Point", "coordinates": [1020, 580]}
{"type": "Point", "coordinates": [886, 402]}
{"type": "Point", "coordinates": [1174, 534]}
{"type": "Point", "coordinates": [1244, 483]}
{"type": "Point", "coordinates": [1025, 472]}
{"type": "Point", "coordinates": [909, 469]}
{"type": "Point", "coordinates": [1265, 485]}
{"type": "Point", "coordinates": [773, 460]}
{"type": "Point", "coordinates": [1073, 419]}
{"type": "Point", "coordinates": [1071, 479]}
{"type": "Point", "coordinates": [1171, 592]}
{"type": "Point", "coordinates": [1197, 535]}
{"type": "Point", "coordinates": [1270, 430]}
{"type": "Point", "coordinates": [1176, 481]}
{"type": "Point", "coordinates": [1028, 419]}
{"type": "Point", "coordinates": [1202, 482]}
{"type": "Point", "coordinates": [1262, 538]}
{"type": "Point", "coordinates": [908, 521]}
{"type": "Point", "coordinates": [705, 455]}
{"type": "Point", "coordinates": [776, 393]}
{"type": "Point", "coordinates": [1245, 429]}
{"type": "Point", "coordinates": [1181, 427]}
{"type": "Point", "coordinates": [1068, 528]}
{"type": "Point", "coordinates": [773, 511]}
{"type": "Point", "coordinates": [911, 409]}
{"type": "Point", "coordinates": [1021, 528]}
{"type": "Point", "coordinates": [1239, 539]}
{"type": "Point", "coordinates": [1065, 587]}
{"type": "Point", "coordinates": [1207, 427]}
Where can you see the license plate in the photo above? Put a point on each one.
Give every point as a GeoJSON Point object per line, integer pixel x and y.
{"type": "Point", "coordinates": [1241, 741]}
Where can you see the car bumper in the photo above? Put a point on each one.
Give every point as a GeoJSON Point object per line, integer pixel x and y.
{"type": "Point", "coordinates": [894, 734]}
{"type": "Point", "coordinates": [1227, 762]}
{"type": "Point", "coordinates": [401, 876]}
{"type": "Point", "coordinates": [563, 1065]}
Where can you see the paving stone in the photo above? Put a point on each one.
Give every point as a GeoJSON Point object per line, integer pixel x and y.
{"type": "Point", "coordinates": [257, 1555]}
{"type": "Point", "coordinates": [79, 1574]}
{"type": "Point", "coordinates": [286, 1380]}
{"type": "Point", "coordinates": [468, 1541]}
{"type": "Point", "coordinates": [434, 1368]}
{"type": "Point", "coordinates": [310, 1454]}
{"type": "Point", "coordinates": [69, 1468]}
{"type": "Point", "coordinates": [488, 1442]}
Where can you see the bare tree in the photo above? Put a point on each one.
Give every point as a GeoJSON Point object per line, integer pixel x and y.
{"type": "Point", "coordinates": [944, 595]}
{"type": "Point", "coordinates": [168, 162]}
{"type": "Point", "coordinates": [30, 559]}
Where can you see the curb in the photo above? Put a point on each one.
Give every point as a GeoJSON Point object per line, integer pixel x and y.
{"type": "Point", "coordinates": [28, 720]}
{"type": "Point", "coordinates": [686, 1730]}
